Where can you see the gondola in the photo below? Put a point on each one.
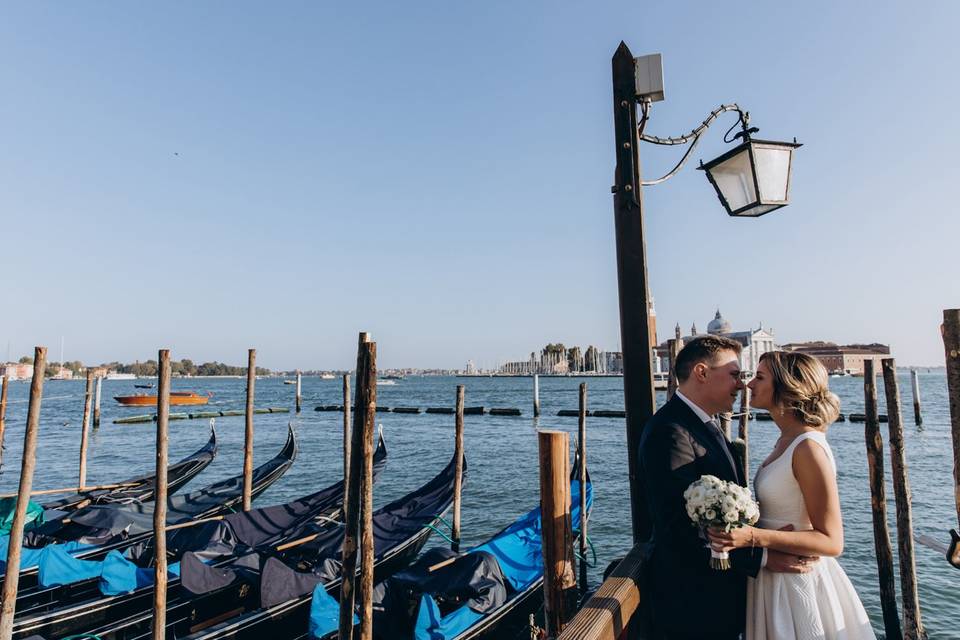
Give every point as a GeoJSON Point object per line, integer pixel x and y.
{"type": "Point", "coordinates": [488, 592]}
{"type": "Point", "coordinates": [268, 594]}
{"type": "Point", "coordinates": [140, 488]}
{"type": "Point", "coordinates": [104, 602]}
{"type": "Point", "coordinates": [89, 534]}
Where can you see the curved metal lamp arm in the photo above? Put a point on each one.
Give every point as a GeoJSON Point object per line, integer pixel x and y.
{"type": "Point", "coordinates": [693, 137]}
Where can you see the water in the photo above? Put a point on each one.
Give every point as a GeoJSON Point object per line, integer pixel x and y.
{"type": "Point", "coordinates": [501, 455]}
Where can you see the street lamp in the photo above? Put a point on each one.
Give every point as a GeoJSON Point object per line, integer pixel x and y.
{"type": "Point", "coordinates": [751, 179]}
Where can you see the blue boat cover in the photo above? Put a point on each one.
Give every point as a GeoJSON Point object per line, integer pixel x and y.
{"type": "Point", "coordinates": [325, 614]}
{"type": "Point", "coordinates": [8, 507]}
{"type": "Point", "coordinates": [30, 557]}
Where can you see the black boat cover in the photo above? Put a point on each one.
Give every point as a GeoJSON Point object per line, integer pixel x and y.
{"type": "Point", "coordinates": [293, 573]}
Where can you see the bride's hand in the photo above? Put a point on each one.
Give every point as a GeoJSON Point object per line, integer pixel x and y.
{"type": "Point", "coordinates": [736, 538]}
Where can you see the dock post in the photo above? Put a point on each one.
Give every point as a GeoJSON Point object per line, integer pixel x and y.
{"type": "Point", "coordinates": [248, 431]}
{"type": "Point", "coordinates": [96, 403]}
{"type": "Point", "coordinates": [582, 450]}
{"type": "Point", "coordinates": [365, 393]}
{"type": "Point", "coordinates": [3, 413]}
{"type": "Point", "coordinates": [951, 347]}
{"type": "Point", "coordinates": [743, 429]}
{"type": "Point", "coordinates": [366, 496]}
{"type": "Point", "coordinates": [913, 626]}
{"type": "Point", "coordinates": [878, 502]}
{"type": "Point", "coordinates": [346, 446]}
{"type": "Point", "coordinates": [11, 578]}
{"type": "Point", "coordinates": [673, 349]}
{"type": "Point", "coordinates": [298, 392]}
{"type": "Point", "coordinates": [536, 395]}
{"type": "Point", "coordinates": [915, 384]}
{"type": "Point", "coordinates": [160, 506]}
{"type": "Point", "coordinates": [726, 424]}
{"type": "Point", "coordinates": [559, 578]}
{"type": "Point", "coordinates": [87, 399]}
{"type": "Point", "coordinates": [458, 478]}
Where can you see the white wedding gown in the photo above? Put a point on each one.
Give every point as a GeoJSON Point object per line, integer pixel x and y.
{"type": "Point", "coordinates": [821, 604]}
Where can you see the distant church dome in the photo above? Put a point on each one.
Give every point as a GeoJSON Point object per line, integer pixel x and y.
{"type": "Point", "coordinates": [718, 325]}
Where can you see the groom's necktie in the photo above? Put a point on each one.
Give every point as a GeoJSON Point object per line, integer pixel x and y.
{"type": "Point", "coordinates": [714, 429]}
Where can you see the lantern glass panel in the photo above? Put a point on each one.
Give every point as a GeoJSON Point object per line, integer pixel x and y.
{"type": "Point", "coordinates": [773, 172]}
{"type": "Point", "coordinates": [734, 180]}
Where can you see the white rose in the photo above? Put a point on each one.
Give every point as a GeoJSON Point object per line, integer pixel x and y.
{"type": "Point", "coordinates": [731, 516]}
{"type": "Point", "coordinates": [710, 515]}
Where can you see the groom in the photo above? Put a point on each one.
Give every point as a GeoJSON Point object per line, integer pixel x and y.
{"type": "Point", "coordinates": [681, 443]}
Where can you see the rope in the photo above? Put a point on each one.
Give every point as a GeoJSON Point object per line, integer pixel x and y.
{"type": "Point", "coordinates": [593, 552]}
{"type": "Point", "coordinates": [84, 636]}
{"type": "Point", "coordinates": [439, 533]}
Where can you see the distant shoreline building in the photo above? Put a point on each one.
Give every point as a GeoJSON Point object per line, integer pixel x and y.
{"type": "Point", "coordinates": [841, 359]}
{"type": "Point", "coordinates": [755, 343]}
{"type": "Point", "coordinates": [16, 370]}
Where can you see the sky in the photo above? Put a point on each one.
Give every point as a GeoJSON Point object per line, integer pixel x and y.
{"type": "Point", "coordinates": [209, 177]}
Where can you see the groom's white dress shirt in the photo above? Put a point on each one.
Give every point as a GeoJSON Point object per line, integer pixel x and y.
{"type": "Point", "coordinates": [707, 419]}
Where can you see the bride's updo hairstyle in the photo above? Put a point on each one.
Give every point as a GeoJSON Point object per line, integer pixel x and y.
{"type": "Point", "coordinates": [800, 385]}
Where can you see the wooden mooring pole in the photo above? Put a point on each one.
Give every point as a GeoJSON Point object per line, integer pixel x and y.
{"type": "Point", "coordinates": [951, 347]}
{"type": "Point", "coordinates": [85, 429]}
{"type": "Point", "coordinates": [298, 391]}
{"type": "Point", "coordinates": [11, 578]}
{"type": "Point", "coordinates": [3, 414]}
{"type": "Point", "coordinates": [365, 412]}
{"type": "Point", "coordinates": [160, 506]}
{"type": "Point", "coordinates": [673, 349]}
{"type": "Point", "coordinates": [582, 479]}
{"type": "Point", "coordinates": [559, 578]}
{"type": "Point", "coordinates": [248, 431]}
{"type": "Point", "coordinates": [366, 494]}
{"type": "Point", "coordinates": [915, 387]}
{"type": "Point", "coordinates": [878, 502]}
{"type": "Point", "coordinates": [743, 430]}
{"type": "Point", "coordinates": [912, 624]}
{"type": "Point", "coordinates": [346, 446]}
{"type": "Point", "coordinates": [458, 479]}
{"type": "Point", "coordinates": [96, 403]}
{"type": "Point", "coordinates": [726, 424]}
{"type": "Point", "coordinates": [536, 395]}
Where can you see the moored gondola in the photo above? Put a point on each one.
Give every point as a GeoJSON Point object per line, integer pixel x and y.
{"type": "Point", "coordinates": [487, 592]}
{"type": "Point", "coordinates": [268, 594]}
{"type": "Point", "coordinates": [140, 488]}
{"type": "Point", "coordinates": [127, 598]}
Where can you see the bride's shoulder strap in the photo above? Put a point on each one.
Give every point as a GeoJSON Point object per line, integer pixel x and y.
{"type": "Point", "coordinates": [821, 439]}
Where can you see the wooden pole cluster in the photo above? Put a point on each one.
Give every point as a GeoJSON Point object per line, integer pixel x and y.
{"type": "Point", "coordinates": [160, 507]}
{"type": "Point", "coordinates": [673, 347]}
{"type": "Point", "coordinates": [743, 430]}
{"type": "Point", "coordinates": [559, 578]}
{"type": "Point", "coordinates": [913, 626]}
{"type": "Point", "coordinates": [536, 395]}
{"type": "Point", "coordinates": [951, 347]}
{"type": "Point", "coordinates": [84, 429]}
{"type": "Point", "coordinates": [458, 479]}
{"type": "Point", "coordinates": [915, 385]}
{"type": "Point", "coordinates": [582, 479]}
{"type": "Point", "coordinates": [3, 413]}
{"type": "Point", "coordinates": [298, 391]}
{"type": "Point", "coordinates": [11, 578]}
{"type": "Point", "coordinates": [248, 431]}
{"type": "Point", "coordinates": [878, 502]}
{"type": "Point", "coordinates": [359, 525]}
{"type": "Point", "coordinates": [96, 403]}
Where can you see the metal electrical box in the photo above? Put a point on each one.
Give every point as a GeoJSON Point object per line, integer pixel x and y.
{"type": "Point", "coordinates": [649, 77]}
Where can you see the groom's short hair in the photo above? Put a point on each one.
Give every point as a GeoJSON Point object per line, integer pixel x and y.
{"type": "Point", "coordinates": [702, 349]}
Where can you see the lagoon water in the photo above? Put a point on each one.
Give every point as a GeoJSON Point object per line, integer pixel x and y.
{"type": "Point", "coordinates": [501, 454]}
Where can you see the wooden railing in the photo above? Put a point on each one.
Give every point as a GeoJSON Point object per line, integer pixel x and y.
{"type": "Point", "coordinates": [606, 615]}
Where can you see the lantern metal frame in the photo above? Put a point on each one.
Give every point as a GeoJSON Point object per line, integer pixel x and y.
{"type": "Point", "coordinates": [750, 145]}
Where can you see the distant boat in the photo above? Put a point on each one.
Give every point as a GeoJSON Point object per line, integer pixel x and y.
{"type": "Point", "coordinates": [143, 386]}
{"type": "Point", "coordinates": [391, 377]}
{"type": "Point", "coordinates": [120, 376]}
{"type": "Point", "coordinates": [327, 376]}
{"type": "Point", "coordinates": [386, 381]}
{"type": "Point", "coordinates": [289, 382]}
{"type": "Point", "coordinates": [176, 397]}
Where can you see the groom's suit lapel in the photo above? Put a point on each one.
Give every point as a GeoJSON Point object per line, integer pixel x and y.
{"type": "Point", "coordinates": [698, 430]}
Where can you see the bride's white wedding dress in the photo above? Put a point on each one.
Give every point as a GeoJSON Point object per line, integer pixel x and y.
{"type": "Point", "coordinates": [819, 604]}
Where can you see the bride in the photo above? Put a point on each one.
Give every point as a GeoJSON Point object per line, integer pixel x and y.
{"type": "Point", "coordinates": [796, 487]}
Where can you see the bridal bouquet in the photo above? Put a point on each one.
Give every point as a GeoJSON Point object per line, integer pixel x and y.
{"type": "Point", "coordinates": [712, 502]}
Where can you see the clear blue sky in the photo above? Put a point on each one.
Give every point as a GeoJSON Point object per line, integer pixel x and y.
{"type": "Point", "coordinates": [214, 176]}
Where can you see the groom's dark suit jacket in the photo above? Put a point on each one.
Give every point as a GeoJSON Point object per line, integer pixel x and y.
{"type": "Point", "coordinates": [688, 598]}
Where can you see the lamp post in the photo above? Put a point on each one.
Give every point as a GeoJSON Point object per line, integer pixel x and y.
{"type": "Point", "coordinates": [752, 179]}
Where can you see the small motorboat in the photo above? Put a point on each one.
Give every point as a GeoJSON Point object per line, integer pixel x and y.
{"type": "Point", "coordinates": [143, 386]}
{"type": "Point", "coordinates": [289, 382]}
{"type": "Point", "coordinates": [176, 398]}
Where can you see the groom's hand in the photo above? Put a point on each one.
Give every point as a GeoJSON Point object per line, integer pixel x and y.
{"type": "Point", "coordinates": [780, 562]}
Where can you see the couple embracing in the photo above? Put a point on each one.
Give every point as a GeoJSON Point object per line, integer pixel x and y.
{"type": "Point", "coordinates": [784, 581]}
